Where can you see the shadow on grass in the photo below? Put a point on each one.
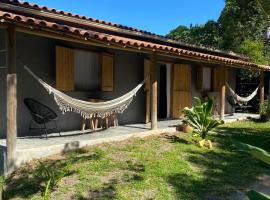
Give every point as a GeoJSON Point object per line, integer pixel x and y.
{"type": "Point", "coordinates": [32, 180]}
{"type": "Point", "coordinates": [107, 191]}
{"type": "Point", "coordinates": [258, 135]}
{"type": "Point", "coordinates": [224, 171]}
{"type": "Point", "coordinates": [222, 175]}
{"type": "Point", "coordinates": [176, 139]}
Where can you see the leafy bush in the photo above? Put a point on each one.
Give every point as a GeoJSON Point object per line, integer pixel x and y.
{"type": "Point", "coordinates": [200, 118]}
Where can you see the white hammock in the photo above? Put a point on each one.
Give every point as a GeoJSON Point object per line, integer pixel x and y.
{"type": "Point", "coordinates": [88, 109]}
{"type": "Point", "coordinates": [242, 100]}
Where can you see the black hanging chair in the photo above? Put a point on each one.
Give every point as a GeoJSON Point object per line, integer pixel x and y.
{"type": "Point", "coordinates": [42, 115]}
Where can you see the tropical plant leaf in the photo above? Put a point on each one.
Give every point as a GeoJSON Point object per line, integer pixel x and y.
{"type": "Point", "coordinates": [197, 101]}
{"type": "Point", "coordinates": [256, 152]}
{"type": "Point", "coordinates": [209, 107]}
{"type": "Point", "coordinates": [200, 118]}
{"type": "Point", "coordinates": [253, 195]}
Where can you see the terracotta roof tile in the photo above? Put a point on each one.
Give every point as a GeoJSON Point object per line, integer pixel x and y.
{"type": "Point", "coordinates": [24, 20]}
{"type": "Point", "coordinates": [145, 33]}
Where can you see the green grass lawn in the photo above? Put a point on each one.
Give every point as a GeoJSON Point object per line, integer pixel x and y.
{"type": "Point", "coordinates": [169, 166]}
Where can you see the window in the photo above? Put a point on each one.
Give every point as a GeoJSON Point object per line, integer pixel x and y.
{"type": "Point", "coordinates": [206, 79]}
{"type": "Point", "coordinates": [203, 78]}
{"type": "Point", "coordinates": [83, 70]}
{"type": "Point", "coordinates": [87, 71]}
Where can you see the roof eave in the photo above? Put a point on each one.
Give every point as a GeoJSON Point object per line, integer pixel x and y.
{"type": "Point", "coordinates": [174, 52]}
{"type": "Point", "coordinates": [61, 15]}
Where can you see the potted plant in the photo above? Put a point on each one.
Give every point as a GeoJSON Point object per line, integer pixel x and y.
{"type": "Point", "coordinates": [184, 127]}
{"type": "Point", "coordinates": [200, 118]}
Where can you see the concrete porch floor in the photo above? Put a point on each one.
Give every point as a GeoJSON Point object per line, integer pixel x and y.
{"type": "Point", "coordinates": [29, 148]}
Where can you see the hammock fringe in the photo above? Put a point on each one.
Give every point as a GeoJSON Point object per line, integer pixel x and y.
{"type": "Point", "coordinates": [88, 109]}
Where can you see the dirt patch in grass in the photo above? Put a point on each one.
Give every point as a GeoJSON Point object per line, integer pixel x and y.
{"type": "Point", "coordinates": [144, 194]}
{"type": "Point", "coordinates": [121, 156]}
{"type": "Point", "coordinates": [70, 180]}
{"type": "Point", "coordinates": [66, 186]}
{"type": "Point", "coordinates": [56, 157]}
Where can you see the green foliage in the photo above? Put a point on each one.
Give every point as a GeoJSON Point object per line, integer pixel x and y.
{"type": "Point", "coordinates": [2, 180]}
{"type": "Point", "coordinates": [207, 34]}
{"type": "Point", "coordinates": [47, 189]}
{"type": "Point", "coordinates": [241, 28]}
{"type": "Point", "coordinates": [199, 117]}
{"type": "Point", "coordinates": [256, 152]}
{"type": "Point", "coordinates": [265, 6]}
{"type": "Point", "coordinates": [180, 33]}
{"type": "Point", "coordinates": [240, 20]}
{"type": "Point", "coordinates": [254, 50]}
{"type": "Point", "coordinates": [49, 176]}
{"type": "Point", "coordinates": [253, 195]}
{"type": "Point", "coordinates": [2, 184]}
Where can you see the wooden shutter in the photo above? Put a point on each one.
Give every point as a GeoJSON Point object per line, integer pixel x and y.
{"type": "Point", "coordinates": [181, 89]}
{"type": "Point", "coordinates": [220, 76]}
{"type": "Point", "coordinates": [64, 69]}
{"type": "Point", "coordinates": [107, 72]}
{"type": "Point", "coordinates": [147, 90]}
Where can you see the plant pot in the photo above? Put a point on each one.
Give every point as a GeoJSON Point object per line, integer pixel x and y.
{"type": "Point", "coordinates": [184, 128]}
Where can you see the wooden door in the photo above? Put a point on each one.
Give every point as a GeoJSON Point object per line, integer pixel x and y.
{"type": "Point", "coordinates": [181, 89]}
{"type": "Point", "coordinates": [147, 90]}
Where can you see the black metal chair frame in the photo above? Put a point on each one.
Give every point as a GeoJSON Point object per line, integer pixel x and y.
{"type": "Point", "coordinates": [41, 118]}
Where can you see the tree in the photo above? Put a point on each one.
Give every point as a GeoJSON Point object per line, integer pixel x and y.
{"type": "Point", "coordinates": [207, 34]}
{"type": "Point", "coordinates": [265, 6]}
{"type": "Point", "coordinates": [181, 33]}
{"type": "Point", "coordinates": [240, 20]}
{"type": "Point", "coordinates": [254, 49]}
